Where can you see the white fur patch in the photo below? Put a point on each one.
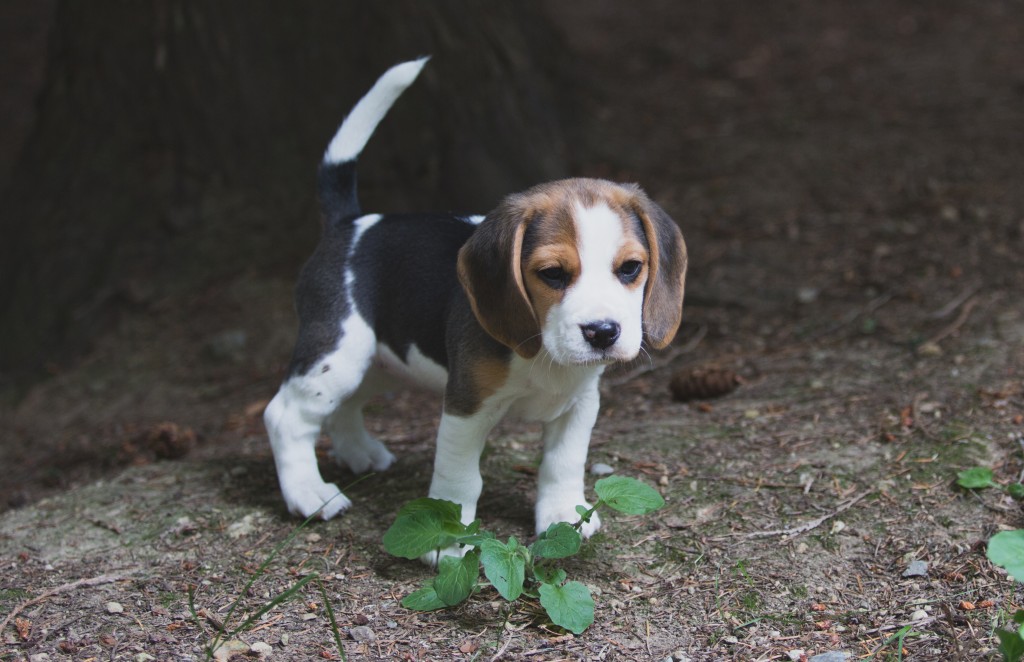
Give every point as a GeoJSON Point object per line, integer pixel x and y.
{"type": "Point", "coordinates": [597, 295]}
{"type": "Point", "coordinates": [362, 224]}
{"type": "Point", "coordinates": [357, 128]}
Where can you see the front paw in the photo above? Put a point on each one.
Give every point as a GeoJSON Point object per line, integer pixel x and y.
{"type": "Point", "coordinates": [360, 459]}
{"type": "Point", "coordinates": [306, 499]}
{"type": "Point", "coordinates": [551, 513]}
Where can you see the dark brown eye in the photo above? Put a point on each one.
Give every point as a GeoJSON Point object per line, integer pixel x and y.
{"type": "Point", "coordinates": [554, 277]}
{"type": "Point", "coordinates": [629, 270]}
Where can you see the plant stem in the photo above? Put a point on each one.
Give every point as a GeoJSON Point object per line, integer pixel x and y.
{"type": "Point", "coordinates": [586, 517]}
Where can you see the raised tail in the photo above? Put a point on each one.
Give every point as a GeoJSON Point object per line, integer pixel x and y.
{"type": "Point", "coordinates": [337, 180]}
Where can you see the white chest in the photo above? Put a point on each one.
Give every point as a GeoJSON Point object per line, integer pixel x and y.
{"type": "Point", "coordinates": [542, 391]}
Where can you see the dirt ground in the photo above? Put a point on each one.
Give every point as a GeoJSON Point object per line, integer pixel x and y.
{"type": "Point", "coordinates": [848, 178]}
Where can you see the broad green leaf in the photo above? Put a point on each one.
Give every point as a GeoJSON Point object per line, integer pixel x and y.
{"type": "Point", "coordinates": [628, 495]}
{"type": "Point", "coordinates": [1010, 645]}
{"type": "Point", "coordinates": [474, 539]}
{"type": "Point", "coordinates": [569, 605]}
{"type": "Point", "coordinates": [583, 512]}
{"type": "Point", "coordinates": [1018, 617]}
{"type": "Point", "coordinates": [976, 478]}
{"type": "Point", "coordinates": [1015, 490]}
{"type": "Point", "coordinates": [549, 575]}
{"type": "Point", "coordinates": [424, 599]}
{"type": "Point", "coordinates": [559, 541]}
{"type": "Point", "coordinates": [504, 566]}
{"type": "Point", "coordinates": [1006, 549]}
{"type": "Point", "coordinates": [424, 525]}
{"type": "Point", "coordinates": [456, 577]}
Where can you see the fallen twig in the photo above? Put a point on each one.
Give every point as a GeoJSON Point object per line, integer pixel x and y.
{"type": "Point", "coordinates": [806, 526]}
{"type": "Point", "coordinates": [500, 653]}
{"type": "Point", "coordinates": [948, 309]}
{"type": "Point", "coordinates": [871, 307]}
{"type": "Point", "coordinates": [662, 361]}
{"type": "Point", "coordinates": [957, 323]}
{"type": "Point", "coordinates": [63, 588]}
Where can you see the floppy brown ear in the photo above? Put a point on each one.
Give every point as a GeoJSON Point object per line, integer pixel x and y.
{"type": "Point", "coordinates": [491, 275]}
{"type": "Point", "coordinates": [663, 294]}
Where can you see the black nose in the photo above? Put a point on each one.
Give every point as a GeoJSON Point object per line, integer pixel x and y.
{"type": "Point", "coordinates": [601, 335]}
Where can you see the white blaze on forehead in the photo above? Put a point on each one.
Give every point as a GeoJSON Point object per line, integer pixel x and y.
{"type": "Point", "coordinates": [596, 294]}
{"type": "Point", "coordinates": [599, 235]}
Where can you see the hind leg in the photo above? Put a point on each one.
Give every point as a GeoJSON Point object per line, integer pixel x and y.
{"type": "Point", "coordinates": [297, 413]}
{"type": "Point", "coordinates": [351, 444]}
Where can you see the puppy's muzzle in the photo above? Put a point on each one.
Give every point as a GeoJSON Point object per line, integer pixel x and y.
{"type": "Point", "coordinates": [601, 335]}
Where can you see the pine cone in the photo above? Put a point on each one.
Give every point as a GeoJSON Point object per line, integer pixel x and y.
{"type": "Point", "coordinates": [703, 383]}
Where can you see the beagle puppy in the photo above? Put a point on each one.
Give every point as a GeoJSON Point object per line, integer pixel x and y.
{"type": "Point", "coordinates": [518, 312]}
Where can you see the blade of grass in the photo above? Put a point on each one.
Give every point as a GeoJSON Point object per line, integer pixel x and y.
{"type": "Point", "coordinates": [277, 550]}
{"type": "Point", "coordinates": [330, 616]}
{"type": "Point", "coordinates": [283, 596]}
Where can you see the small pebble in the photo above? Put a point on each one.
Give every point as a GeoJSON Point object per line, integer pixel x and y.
{"type": "Point", "coordinates": [313, 537]}
{"type": "Point", "coordinates": [807, 294]}
{"type": "Point", "coordinates": [731, 640]}
{"type": "Point", "coordinates": [262, 648]}
{"type": "Point", "coordinates": [795, 654]}
{"type": "Point", "coordinates": [114, 608]}
{"type": "Point", "coordinates": [308, 617]}
{"type": "Point", "coordinates": [680, 656]}
{"type": "Point", "coordinates": [919, 615]}
{"type": "Point", "coordinates": [601, 469]}
{"type": "Point", "coordinates": [242, 527]}
{"type": "Point", "coordinates": [916, 569]}
{"type": "Point", "coordinates": [362, 633]}
{"type": "Point", "coordinates": [831, 656]}
{"type": "Point", "coordinates": [143, 657]}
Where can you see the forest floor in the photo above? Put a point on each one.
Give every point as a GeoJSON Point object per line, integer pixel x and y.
{"type": "Point", "coordinates": [848, 181]}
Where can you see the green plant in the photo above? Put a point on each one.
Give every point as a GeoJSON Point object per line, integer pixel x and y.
{"type": "Point", "coordinates": [1006, 550]}
{"type": "Point", "coordinates": [514, 570]}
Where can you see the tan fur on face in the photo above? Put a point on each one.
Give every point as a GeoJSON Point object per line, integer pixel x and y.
{"type": "Point", "coordinates": [553, 244]}
{"type": "Point", "coordinates": [553, 239]}
{"type": "Point", "coordinates": [535, 230]}
{"type": "Point", "coordinates": [632, 249]}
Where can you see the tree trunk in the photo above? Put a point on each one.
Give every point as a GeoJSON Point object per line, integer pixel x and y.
{"type": "Point", "coordinates": [176, 143]}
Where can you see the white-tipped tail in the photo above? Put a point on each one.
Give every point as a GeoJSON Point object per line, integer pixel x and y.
{"type": "Point", "coordinates": [357, 128]}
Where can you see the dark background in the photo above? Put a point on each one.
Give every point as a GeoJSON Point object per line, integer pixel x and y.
{"type": "Point", "coordinates": [158, 161]}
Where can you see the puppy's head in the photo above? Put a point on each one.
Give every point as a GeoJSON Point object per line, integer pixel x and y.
{"type": "Point", "coordinates": [584, 268]}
